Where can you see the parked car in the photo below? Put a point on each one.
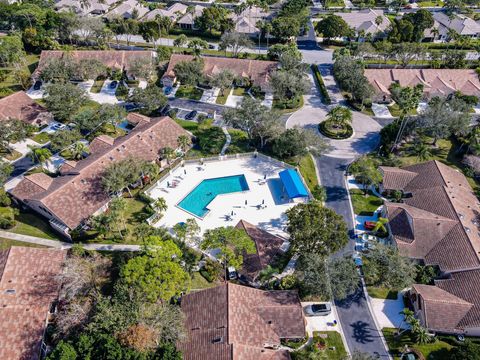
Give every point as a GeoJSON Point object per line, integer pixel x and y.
{"type": "Point", "coordinates": [58, 126]}
{"type": "Point", "coordinates": [166, 109]}
{"type": "Point", "coordinates": [130, 106]}
{"type": "Point", "coordinates": [211, 46]}
{"type": "Point", "coordinates": [37, 85]}
{"type": "Point", "coordinates": [113, 84]}
{"type": "Point", "coordinates": [191, 115]}
{"type": "Point", "coordinates": [321, 309]}
{"type": "Point", "coordinates": [168, 90]}
{"type": "Point", "coordinates": [370, 225]}
{"type": "Point", "coordinates": [232, 273]}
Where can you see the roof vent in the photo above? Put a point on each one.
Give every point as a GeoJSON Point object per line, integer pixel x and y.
{"type": "Point", "coordinates": [10, 291]}
{"type": "Point", "coordinates": [269, 322]}
{"type": "Point", "coordinates": [461, 216]}
{"type": "Point", "coordinates": [467, 229]}
{"type": "Point", "coordinates": [217, 340]}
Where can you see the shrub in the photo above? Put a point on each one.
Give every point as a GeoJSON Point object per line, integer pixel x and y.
{"type": "Point", "coordinates": [321, 85]}
{"type": "Point", "coordinates": [344, 133]}
{"type": "Point", "coordinates": [211, 271]}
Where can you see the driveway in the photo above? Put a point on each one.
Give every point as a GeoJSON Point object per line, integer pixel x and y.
{"type": "Point", "coordinates": [388, 313]}
{"type": "Point", "coordinates": [196, 105]}
{"type": "Point", "coordinates": [366, 130]}
{"type": "Point", "coordinates": [311, 52]}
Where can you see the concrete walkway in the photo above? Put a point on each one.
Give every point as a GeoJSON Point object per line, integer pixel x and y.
{"type": "Point", "coordinates": [65, 245]}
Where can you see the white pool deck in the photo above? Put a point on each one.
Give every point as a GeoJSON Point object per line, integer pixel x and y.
{"type": "Point", "coordinates": [271, 218]}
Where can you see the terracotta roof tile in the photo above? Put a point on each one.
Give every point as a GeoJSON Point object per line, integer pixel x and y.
{"type": "Point", "coordinates": [75, 196]}
{"type": "Point", "coordinates": [236, 322]}
{"type": "Point", "coordinates": [267, 246]}
{"type": "Point", "coordinates": [27, 289]}
{"type": "Point", "coordinates": [257, 70]}
{"type": "Point", "coordinates": [21, 107]}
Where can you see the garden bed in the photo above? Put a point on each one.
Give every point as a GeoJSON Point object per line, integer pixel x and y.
{"type": "Point", "coordinates": [328, 129]}
{"type": "Point", "coordinates": [321, 85]}
{"type": "Point", "coordinates": [438, 350]}
{"type": "Point", "coordinates": [325, 345]}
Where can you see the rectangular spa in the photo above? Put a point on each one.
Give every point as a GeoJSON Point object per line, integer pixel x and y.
{"type": "Point", "coordinates": [197, 200]}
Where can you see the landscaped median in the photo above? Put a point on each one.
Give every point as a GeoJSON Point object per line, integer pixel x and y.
{"type": "Point", "coordinates": [334, 131]}
{"type": "Point", "coordinates": [321, 85]}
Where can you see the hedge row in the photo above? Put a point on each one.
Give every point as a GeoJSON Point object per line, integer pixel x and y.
{"type": "Point", "coordinates": [321, 85]}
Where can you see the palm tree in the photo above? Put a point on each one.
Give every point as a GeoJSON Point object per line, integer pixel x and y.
{"type": "Point", "coordinates": [408, 317]}
{"type": "Point", "coordinates": [184, 142]}
{"type": "Point", "coordinates": [164, 24]}
{"type": "Point", "coordinates": [422, 151]}
{"type": "Point", "coordinates": [379, 20]}
{"type": "Point", "coordinates": [340, 116]}
{"type": "Point", "coordinates": [39, 154]}
{"type": "Point", "coordinates": [380, 226]}
{"type": "Point", "coordinates": [78, 150]}
{"type": "Point", "coordinates": [421, 335]}
{"type": "Point", "coordinates": [160, 205]}
{"type": "Point", "coordinates": [167, 153]}
{"type": "Point", "coordinates": [149, 169]}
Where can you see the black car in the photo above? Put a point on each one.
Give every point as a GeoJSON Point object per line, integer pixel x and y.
{"type": "Point", "coordinates": [191, 115]}
{"type": "Point", "coordinates": [113, 84]}
{"type": "Point", "coordinates": [130, 106]}
{"type": "Point", "coordinates": [37, 85]}
{"type": "Point", "coordinates": [166, 109]}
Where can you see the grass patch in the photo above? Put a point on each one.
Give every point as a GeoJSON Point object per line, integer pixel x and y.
{"type": "Point", "coordinates": [307, 169]}
{"type": "Point", "coordinates": [33, 225]}
{"type": "Point", "coordinates": [199, 282]}
{"type": "Point", "coordinates": [11, 155]}
{"type": "Point", "coordinates": [189, 92]}
{"type": "Point", "coordinates": [382, 293]}
{"type": "Point", "coordinates": [430, 3]}
{"type": "Point", "coordinates": [239, 91]}
{"type": "Point", "coordinates": [395, 110]}
{"type": "Point", "coordinates": [10, 84]}
{"type": "Point", "coordinates": [7, 243]}
{"type": "Point", "coordinates": [439, 350]}
{"type": "Point", "coordinates": [187, 125]}
{"type": "Point", "coordinates": [326, 345]}
{"type": "Point", "coordinates": [223, 99]}
{"type": "Point", "coordinates": [41, 138]}
{"type": "Point", "coordinates": [364, 204]}
{"type": "Point", "coordinates": [97, 86]}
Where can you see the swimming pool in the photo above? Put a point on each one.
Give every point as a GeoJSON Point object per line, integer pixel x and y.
{"type": "Point", "coordinates": [197, 200]}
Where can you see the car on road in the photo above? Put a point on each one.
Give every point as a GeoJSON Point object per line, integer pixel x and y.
{"type": "Point", "coordinates": [37, 85]}
{"type": "Point", "coordinates": [211, 46]}
{"type": "Point", "coordinates": [191, 115]}
{"type": "Point", "coordinates": [318, 309]}
{"type": "Point", "coordinates": [166, 109]}
{"type": "Point", "coordinates": [113, 84]}
{"type": "Point", "coordinates": [168, 90]}
{"type": "Point", "coordinates": [369, 225]}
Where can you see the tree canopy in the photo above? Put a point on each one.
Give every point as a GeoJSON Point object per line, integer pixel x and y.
{"type": "Point", "coordinates": [333, 26]}
{"type": "Point", "coordinates": [316, 229]}
{"type": "Point", "coordinates": [63, 100]}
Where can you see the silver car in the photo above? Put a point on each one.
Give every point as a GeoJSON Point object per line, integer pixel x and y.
{"type": "Point", "coordinates": [323, 309]}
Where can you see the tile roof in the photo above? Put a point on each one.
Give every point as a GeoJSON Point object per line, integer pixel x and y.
{"type": "Point", "coordinates": [76, 195]}
{"type": "Point", "coordinates": [439, 222]}
{"type": "Point", "coordinates": [114, 59]}
{"type": "Point", "coordinates": [237, 322]}
{"type": "Point", "coordinates": [453, 304]}
{"type": "Point", "coordinates": [268, 248]}
{"type": "Point", "coordinates": [437, 82]}
{"type": "Point", "coordinates": [21, 107]}
{"type": "Point", "coordinates": [365, 20]}
{"type": "Point", "coordinates": [27, 289]}
{"type": "Point", "coordinates": [462, 24]}
{"type": "Point", "coordinates": [189, 17]}
{"type": "Point", "coordinates": [257, 71]}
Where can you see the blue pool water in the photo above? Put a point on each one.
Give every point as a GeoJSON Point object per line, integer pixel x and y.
{"type": "Point", "coordinates": [197, 200]}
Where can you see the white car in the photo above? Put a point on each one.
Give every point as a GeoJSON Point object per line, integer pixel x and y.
{"type": "Point", "coordinates": [320, 309]}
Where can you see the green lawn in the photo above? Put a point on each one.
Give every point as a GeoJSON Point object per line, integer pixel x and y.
{"type": "Point", "coordinates": [223, 99]}
{"type": "Point", "coordinates": [333, 348]}
{"type": "Point", "coordinates": [382, 293]}
{"type": "Point", "coordinates": [187, 125]}
{"type": "Point", "coordinates": [97, 86]}
{"type": "Point", "coordinates": [239, 91]}
{"type": "Point", "coordinates": [33, 225]}
{"type": "Point", "coordinates": [199, 282]}
{"type": "Point", "coordinates": [41, 138]}
{"type": "Point", "coordinates": [364, 205]}
{"type": "Point", "coordinates": [333, 3]}
{"type": "Point", "coordinates": [189, 92]}
{"type": "Point", "coordinates": [10, 85]}
{"type": "Point", "coordinates": [307, 169]}
{"type": "Point", "coordinates": [439, 350]}
{"type": "Point", "coordinates": [6, 243]}
{"type": "Point", "coordinates": [430, 3]}
{"type": "Point", "coordinates": [10, 156]}
{"type": "Point", "coordinates": [395, 110]}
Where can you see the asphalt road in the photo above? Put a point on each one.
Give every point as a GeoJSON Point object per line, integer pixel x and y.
{"type": "Point", "coordinates": [354, 315]}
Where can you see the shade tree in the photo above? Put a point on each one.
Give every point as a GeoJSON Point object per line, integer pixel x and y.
{"type": "Point", "coordinates": [316, 229]}
{"type": "Point", "coordinates": [235, 42]}
{"type": "Point", "coordinates": [149, 99]}
{"type": "Point", "coordinates": [189, 72]}
{"type": "Point", "coordinates": [64, 99]}
{"type": "Point", "coordinates": [297, 142]}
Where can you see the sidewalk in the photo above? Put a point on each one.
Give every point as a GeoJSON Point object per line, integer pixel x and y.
{"type": "Point", "coordinates": [65, 245]}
